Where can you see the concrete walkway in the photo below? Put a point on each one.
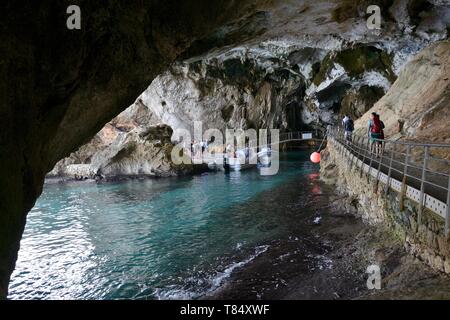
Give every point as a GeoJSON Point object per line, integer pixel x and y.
{"type": "Point", "coordinates": [413, 174]}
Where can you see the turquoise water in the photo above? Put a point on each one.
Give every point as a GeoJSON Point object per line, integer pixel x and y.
{"type": "Point", "coordinates": [153, 238]}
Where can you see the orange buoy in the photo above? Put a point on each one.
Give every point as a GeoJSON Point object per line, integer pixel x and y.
{"type": "Point", "coordinates": [315, 157]}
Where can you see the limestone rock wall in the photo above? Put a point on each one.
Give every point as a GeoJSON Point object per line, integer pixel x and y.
{"type": "Point", "coordinates": [419, 98]}
{"type": "Point", "coordinates": [417, 106]}
{"type": "Point", "coordinates": [427, 241]}
{"type": "Point", "coordinates": [282, 75]}
{"type": "Point", "coordinates": [261, 88]}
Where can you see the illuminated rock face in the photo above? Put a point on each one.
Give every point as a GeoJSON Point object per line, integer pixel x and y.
{"type": "Point", "coordinates": [62, 86]}
{"type": "Point", "coordinates": [231, 93]}
{"type": "Point", "coordinates": [419, 98]}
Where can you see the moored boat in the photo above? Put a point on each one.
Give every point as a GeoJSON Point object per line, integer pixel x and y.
{"type": "Point", "coordinates": [240, 162]}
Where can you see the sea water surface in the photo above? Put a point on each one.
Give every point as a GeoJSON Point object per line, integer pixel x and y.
{"type": "Point", "coordinates": [152, 238]}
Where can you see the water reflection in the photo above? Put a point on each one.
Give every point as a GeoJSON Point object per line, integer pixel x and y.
{"type": "Point", "coordinates": [154, 238]}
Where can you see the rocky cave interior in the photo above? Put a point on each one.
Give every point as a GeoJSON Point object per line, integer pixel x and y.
{"type": "Point", "coordinates": [105, 99]}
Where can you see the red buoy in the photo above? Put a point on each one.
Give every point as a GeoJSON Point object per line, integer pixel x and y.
{"type": "Point", "coordinates": [315, 157]}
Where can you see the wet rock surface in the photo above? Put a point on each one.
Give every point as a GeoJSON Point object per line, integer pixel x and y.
{"type": "Point", "coordinates": [329, 260]}
{"type": "Point", "coordinates": [426, 244]}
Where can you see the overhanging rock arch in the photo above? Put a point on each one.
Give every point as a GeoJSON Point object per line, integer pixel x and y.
{"type": "Point", "coordinates": [61, 86]}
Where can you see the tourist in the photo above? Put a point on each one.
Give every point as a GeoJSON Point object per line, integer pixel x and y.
{"type": "Point", "coordinates": [202, 145]}
{"type": "Point", "coordinates": [348, 128]}
{"type": "Point", "coordinates": [375, 133]}
{"type": "Point", "coordinates": [346, 117]}
{"type": "Point", "coordinates": [369, 131]}
{"type": "Point", "coordinates": [228, 149]}
{"type": "Point", "coordinates": [344, 121]}
{"type": "Point", "coordinates": [380, 142]}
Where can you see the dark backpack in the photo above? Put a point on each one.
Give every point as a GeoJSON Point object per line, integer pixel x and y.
{"type": "Point", "coordinates": [349, 126]}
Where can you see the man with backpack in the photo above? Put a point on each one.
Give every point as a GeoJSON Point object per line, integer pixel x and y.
{"type": "Point", "coordinates": [344, 120]}
{"type": "Point", "coordinates": [349, 127]}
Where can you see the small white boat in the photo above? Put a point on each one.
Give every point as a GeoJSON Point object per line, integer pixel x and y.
{"type": "Point", "coordinates": [237, 163]}
{"type": "Point", "coordinates": [214, 166]}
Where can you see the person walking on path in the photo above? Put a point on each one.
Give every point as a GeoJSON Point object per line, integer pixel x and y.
{"type": "Point", "coordinates": [349, 127]}
{"type": "Point", "coordinates": [375, 133]}
{"type": "Point", "coordinates": [344, 120]}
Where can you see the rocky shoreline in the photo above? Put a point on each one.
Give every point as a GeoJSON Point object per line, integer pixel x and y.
{"type": "Point", "coordinates": [97, 178]}
{"type": "Point", "coordinates": [328, 260]}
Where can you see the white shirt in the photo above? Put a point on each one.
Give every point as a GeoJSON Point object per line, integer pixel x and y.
{"type": "Point", "coordinates": [345, 120]}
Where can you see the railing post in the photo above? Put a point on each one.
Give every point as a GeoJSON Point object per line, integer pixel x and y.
{"type": "Point", "coordinates": [378, 173]}
{"type": "Point", "coordinates": [447, 214]}
{"type": "Point", "coordinates": [370, 167]}
{"type": "Point", "coordinates": [422, 184]}
{"type": "Point", "coordinates": [355, 146]}
{"type": "Point", "coordinates": [359, 146]}
{"type": "Point", "coordinates": [350, 149]}
{"type": "Point", "coordinates": [405, 171]}
{"type": "Point", "coordinates": [388, 181]}
{"type": "Point", "coordinates": [344, 147]}
{"type": "Point", "coordinates": [352, 144]}
{"type": "Point", "coordinates": [364, 155]}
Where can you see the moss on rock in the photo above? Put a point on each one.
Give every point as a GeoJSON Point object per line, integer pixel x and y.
{"type": "Point", "coordinates": [320, 72]}
{"type": "Point", "coordinates": [356, 61]}
{"type": "Point", "coordinates": [356, 102]}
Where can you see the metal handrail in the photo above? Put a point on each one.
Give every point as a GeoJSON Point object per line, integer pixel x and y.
{"type": "Point", "coordinates": [402, 164]}
{"type": "Point", "coordinates": [290, 136]}
{"type": "Point", "coordinates": [416, 144]}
